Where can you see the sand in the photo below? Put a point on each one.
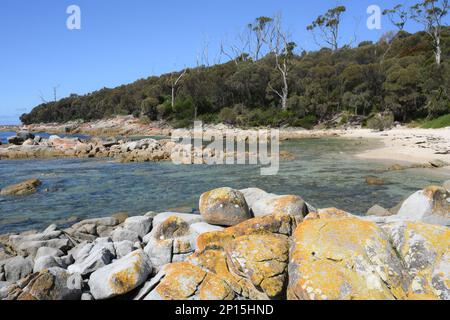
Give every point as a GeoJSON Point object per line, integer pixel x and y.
{"type": "Point", "coordinates": [408, 145]}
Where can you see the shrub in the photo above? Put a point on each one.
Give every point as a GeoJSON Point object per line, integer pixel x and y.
{"type": "Point", "coordinates": [441, 122]}
{"type": "Point", "coordinates": [307, 122]}
{"type": "Point", "coordinates": [381, 121]}
{"type": "Point", "coordinates": [227, 115]}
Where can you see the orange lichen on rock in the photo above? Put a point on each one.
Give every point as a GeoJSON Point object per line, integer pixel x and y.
{"type": "Point", "coordinates": [345, 258]}
{"type": "Point", "coordinates": [261, 258]}
{"type": "Point", "coordinates": [181, 281]}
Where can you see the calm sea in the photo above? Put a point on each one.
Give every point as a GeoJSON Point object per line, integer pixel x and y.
{"type": "Point", "coordinates": [325, 173]}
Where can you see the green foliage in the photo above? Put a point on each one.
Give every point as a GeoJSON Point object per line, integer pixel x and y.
{"type": "Point", "coordinates": [381, 122]}
{"type": "Point", "coordinates": [441, 122]}
{"type": "Point", "coordinates": [397, 75]}
{"type": "Point", "coordinates": [307, 122]}
{"type": "Point", "coordinates": [148, 108]}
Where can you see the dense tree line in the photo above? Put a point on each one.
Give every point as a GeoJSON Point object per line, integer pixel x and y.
{"type": "Point", "coordinates": [266, 82]}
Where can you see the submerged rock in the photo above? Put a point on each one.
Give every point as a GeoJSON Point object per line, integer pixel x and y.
{"type": "Point", "coordinates": [21, 189]}
{"type": "Point", "coordinates": [224, 206]}
{"type": "Point", "coordinates": [375, 181]}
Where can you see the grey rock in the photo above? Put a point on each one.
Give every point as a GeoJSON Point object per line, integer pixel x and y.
{"type": "Point", "coordinates": [446, 185]}
{"type": "Point", "coordinates": [123, 248]}
{"type": "Point", "coordinates": [93, 256]}
{"type": "Point", "coordinates": [429, 205]}
{"type": "Point", "coordinates": [15, 140]}
{"type": "Point", "coordinates": [379, 211]}
{"type": "Point", "coordinates": [139, 224]}
{"type": "Point", "coordinates": [17, 268]}
{"type": "Point", "coordinates": [31, 247]}
{"type": "Point", "coordinates": [104, 231]}
{"type": "Point", "coordinates": [25, 135]}
{"type": "Point", "coordinates": [50, 228]}
{"type": "Point", "coordinates": [46, 262]}
{"type": "Point", "coordinates": [120, 277]}
{"type": "Point", "coordinates": [107, 221]}
{"type": "Point", "coordinates": [87, 296]}
{"type": "Point", "coordinates": [47, 251]}
{"type": "Point", "coordinates": [123, 234]}
{"type": "Point", "coordinates": [203, 227]}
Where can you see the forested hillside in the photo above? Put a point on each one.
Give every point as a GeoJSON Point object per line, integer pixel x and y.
{"type": "Point", "coordinates": [274, 83]}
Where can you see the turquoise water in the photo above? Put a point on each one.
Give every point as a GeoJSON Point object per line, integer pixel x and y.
{"type": "Point", "coordinates": [324, 173]}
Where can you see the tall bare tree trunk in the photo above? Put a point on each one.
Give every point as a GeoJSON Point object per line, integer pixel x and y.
{"type": "Point", "coordinates": [438, 50]}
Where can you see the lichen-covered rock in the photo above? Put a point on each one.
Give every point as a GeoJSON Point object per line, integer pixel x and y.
{"type": "Point", "coordinates": [21, 189]}
{"type": "Point", "coordinates": [224, 206]}
{"type": "Point", "coordinates": [262, 203]}
{"type": "Point", "coordinates": [179, 281]}
{"type": "Point", "coordinates": [49, 284]}
{"type": "Point", "coordinates": [263, 259]}
{"type": "Point", "coordinates": [345, 258]}
{"type": "Point", "coordinates": [168, 240]}
{"type": "Point", "coordinates": [424, 249]}
{"type": "Point", "coordinates": [189, 218]}
{"type": "Point", "coordinates": [221, 253]}
{"type": "Point", "coordinates": [430, 205]}
{"type": "Point", "coordinates": [121, 276]}
{"type": "Point", "coordinates": [328, 213]}
{"type": "Point", "coordinates": [276, 223]}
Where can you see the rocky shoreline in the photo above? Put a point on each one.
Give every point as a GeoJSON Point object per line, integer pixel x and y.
{"type": "Point", "coordinates": [404, 147]}
{"type": "Point", "coordinates": [243, 244]}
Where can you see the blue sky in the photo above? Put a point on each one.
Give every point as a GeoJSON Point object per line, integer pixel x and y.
{"type": "Point", "coordinates": [121, 41]}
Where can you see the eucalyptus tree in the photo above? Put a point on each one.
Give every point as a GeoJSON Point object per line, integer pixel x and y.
{"type": "Point", "coordinates": [261, 30]}
{"type": "Point", "coordinates": [431, 14]}
{"type": "Point", "coordinates": [328, 25]}
{"type": "Point", "coordinates": [282, 48]}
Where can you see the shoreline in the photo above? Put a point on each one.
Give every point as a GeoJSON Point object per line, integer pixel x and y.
{"type": "Point", "coordinates": [401, 145]}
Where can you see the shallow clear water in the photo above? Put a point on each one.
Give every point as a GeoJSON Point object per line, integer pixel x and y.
{"type": "Point", "coordinates": [325, 173]}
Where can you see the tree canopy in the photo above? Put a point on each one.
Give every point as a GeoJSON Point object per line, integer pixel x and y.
{"type": "Point", "coordinates": [397, 74]}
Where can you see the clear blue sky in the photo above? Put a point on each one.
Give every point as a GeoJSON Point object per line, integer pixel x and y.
{"type": "Point", "coordinates": [121, 41]}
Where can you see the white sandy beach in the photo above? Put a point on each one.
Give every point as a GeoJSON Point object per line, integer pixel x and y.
{"type": "Point", "coordinates": [411, 145]}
